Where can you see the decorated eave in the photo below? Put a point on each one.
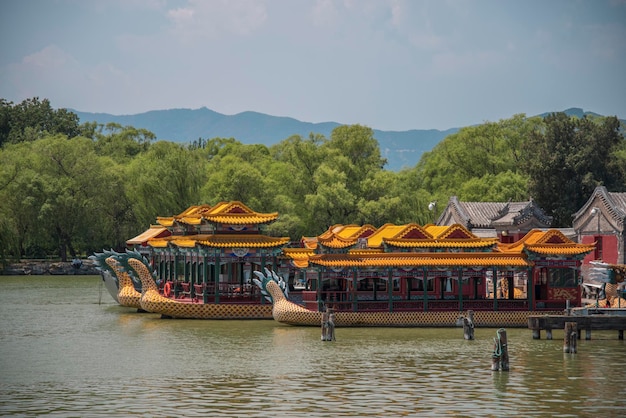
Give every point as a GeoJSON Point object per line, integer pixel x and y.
{"type": "Point", "coordinates": [339, 236]}
{"type": "Point", "coordinates": [547, 243]}
{"type": "Point", "coordinates": [228, 213]}
{"type": "Point", "coordinates": [337, 242]}
{"type": "Point", "coordinates": [220, 241]}
{"type": "Point", "coordinates": [474, 243]}
{"type": "Point", "coordinates": [416, 260]}
{"type": "Point", "coordinates": [155, 231]}
{"type": "Point", "coordinates": [299, 257]}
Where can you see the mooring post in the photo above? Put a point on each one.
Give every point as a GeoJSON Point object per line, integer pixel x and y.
{"type": "Point", "coordinates": [500, 357]}
{"type": "Point", "coordinates": [331, 325]}
{"type": "Point", "coordinates": [325, 316]}
{"type": "Point", "coordinates": [328, 325]}
{"type": "Point", "coordinates": [468, 326]}
{"type": "Point", "coordinates": [504, 361]}
{"type": "Point", "coordinates": [570, 340]}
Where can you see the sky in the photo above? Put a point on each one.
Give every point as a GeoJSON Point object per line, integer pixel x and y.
{"type": "Point", "coordinates": [387, 64]}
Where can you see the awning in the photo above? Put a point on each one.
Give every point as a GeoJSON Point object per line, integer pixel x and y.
{"type": "Point", "coordinates": [153, 232]}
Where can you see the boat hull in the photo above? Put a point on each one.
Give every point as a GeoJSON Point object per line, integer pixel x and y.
{"type": "Point", "coordinates": [152, 301]}
{"type": "Point", "coordinates": [110, 283]}
{"type": "Point", "coordinates": [486, 319]}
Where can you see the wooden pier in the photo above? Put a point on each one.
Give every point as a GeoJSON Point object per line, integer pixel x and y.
{"type": "Point", "coordinates": [596, 319]}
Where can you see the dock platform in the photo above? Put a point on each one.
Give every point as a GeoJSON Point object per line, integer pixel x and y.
{"type": "Point", "coordinates": [588, 320]}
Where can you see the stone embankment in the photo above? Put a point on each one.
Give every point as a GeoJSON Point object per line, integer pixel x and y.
{"type": "Point", "coordinates": [31, 267]}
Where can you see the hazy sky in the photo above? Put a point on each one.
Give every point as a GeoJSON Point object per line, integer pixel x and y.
{"type": "Point", "coordinates": [387, 64]}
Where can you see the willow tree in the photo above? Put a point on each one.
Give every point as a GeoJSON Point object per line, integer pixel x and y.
{"type": "Point", "coordinates": [164, 180]}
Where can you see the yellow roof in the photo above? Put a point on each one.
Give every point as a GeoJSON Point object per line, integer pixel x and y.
{"type": "Point", "coordinates": [299, 256]}
{"type": "Point", "coordinates": [450, 243]}
{"type": "Point", "coordinates": [220, 241]}
{"type": "Point", "coordinates": [385, 231]}
{"type": "Point", "coordinates": [335, 241]}
{"type": "Point", "coordinates": [234, 213]}
{"type": "Point", "coordinates": [404, 260]}
{"type": "Point", "coordinates": [355, 231]}
{"type": "Point", "coordinates": [151, 232]}
{"type": "Point", "coordinates": [550, 242]}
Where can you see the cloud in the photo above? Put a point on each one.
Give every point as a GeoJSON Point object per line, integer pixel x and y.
{"type": "Point", "coordinates": [49, 58]}
{"type": "Point", "coordinates": [200, 20]}
{"type": "Point", "coordinates": [55, 74]}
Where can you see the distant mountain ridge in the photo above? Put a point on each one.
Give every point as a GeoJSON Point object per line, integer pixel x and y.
{"type": "Point", "coordinates": [402, 149]}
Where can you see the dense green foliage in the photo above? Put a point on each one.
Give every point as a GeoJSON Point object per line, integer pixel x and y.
{"type": "Point", "coordinates": [74, 189]}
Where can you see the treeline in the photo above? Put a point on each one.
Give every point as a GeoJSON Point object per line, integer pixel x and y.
{"type": "Point", "coordinates": [70, 189]}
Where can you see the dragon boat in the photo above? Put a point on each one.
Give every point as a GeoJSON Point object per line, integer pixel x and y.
{"type": "Point", "coordinates": [154, 300]}
{"type": "Point", "coordinates": [394, 275]}
{"type": "Point", "coordinates": [290, 313]}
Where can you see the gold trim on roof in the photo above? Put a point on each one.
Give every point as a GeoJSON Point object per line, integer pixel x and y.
{"type": "Point", "coordinates": [234, 212]}
{"type": "Point", "coordinates": [220, 241]}
{"type": "Point", "coordinates": [404, 260]}
{"type": "Point", "coordinates": [550, 242]}
{"type": "Point", "coordinates": [253, 241]}
{"type": "Point", "coordinates": [336, 242]}
{"type": "Point", "coordinates": [560, 249]}
{"type": "Point", "coordinates": [450, 243]}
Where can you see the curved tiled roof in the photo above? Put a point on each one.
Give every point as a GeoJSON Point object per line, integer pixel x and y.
{"type": "Point", "coordinates": [233, 213]}
{"type": "Point", "coordinates": [614, 204]}
{"type": "Point", "coordinates": [488, 214]}
{"type": "Point", "coordinates": [337, 242]}
{"type": "Point", "coordinates": [550, 242]}
{"type": "Point", "coordinates": [220, 241]}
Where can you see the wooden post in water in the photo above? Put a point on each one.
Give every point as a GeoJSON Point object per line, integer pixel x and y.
{"type": "Point", "coordinates": [331, 325]}
{"type": "Point", "coordinates": [325, 325]}
{"type": "Point", "coordinates": [468, 326]}
{"type": "Point", "coordinates": [570, 341]}
{"type": "Point", "coordinates": [504, 360]}
{"type": "Point", "coordinates": [500, 357]}
{"type": "Point", "coordinates": [328, 325]}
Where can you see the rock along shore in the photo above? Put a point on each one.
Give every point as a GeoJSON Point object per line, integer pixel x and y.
{"type": "Point", "coordinates": [36, 267]}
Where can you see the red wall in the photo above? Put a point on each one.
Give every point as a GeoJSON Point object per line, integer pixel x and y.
{"type": "Point", "coordinates": [609, 248]}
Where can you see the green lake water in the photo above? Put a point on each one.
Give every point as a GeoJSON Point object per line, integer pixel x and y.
{"type": "Point", "coordinates": [66, 349]}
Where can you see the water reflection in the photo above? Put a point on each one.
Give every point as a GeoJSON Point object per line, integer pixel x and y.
{"type": "Point", "coordinates": [65, 354]}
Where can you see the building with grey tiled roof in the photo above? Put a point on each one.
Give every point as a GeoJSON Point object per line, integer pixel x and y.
{"type": "Point", "coordinates": [509, 221]}
{"type": "Point", "coordinates": [602, 220]}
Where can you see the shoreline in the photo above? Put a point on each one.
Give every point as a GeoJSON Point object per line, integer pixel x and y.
{"type": "Point", "coordinates": [86, 267]}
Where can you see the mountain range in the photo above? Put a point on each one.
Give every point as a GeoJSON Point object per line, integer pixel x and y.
{"type": "Point", "coordinates": [402, 149]}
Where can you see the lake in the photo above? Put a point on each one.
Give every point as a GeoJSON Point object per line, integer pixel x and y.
{"type": "Point", "coordinates": [66, 349]}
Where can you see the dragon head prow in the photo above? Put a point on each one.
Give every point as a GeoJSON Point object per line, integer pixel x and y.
{"type": "Point", "coordinates": [122, 259]}
{"type": "Point", "coordinates": [99, 260]}
{"type": "Point", "coordinates": [277, 288]}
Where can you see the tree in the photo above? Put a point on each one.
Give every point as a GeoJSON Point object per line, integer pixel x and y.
{"type": "Point", "coordinates": [568, 159]}
{"type": "Point", "coordinates": [164, 180]}
{"type": "Point", "coordinates": [122, 142]}
{"type": "Point", "coordinates": [33, 119]}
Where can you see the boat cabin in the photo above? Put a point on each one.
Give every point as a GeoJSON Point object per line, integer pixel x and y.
{"type": "Point", "coordinates": [413, 267]}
